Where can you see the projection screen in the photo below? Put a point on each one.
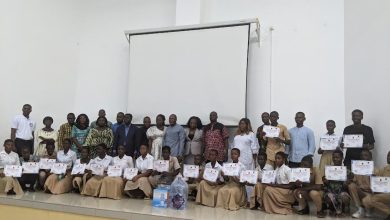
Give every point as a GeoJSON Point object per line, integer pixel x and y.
{"type": "Point", "coordinates": [189, 72]}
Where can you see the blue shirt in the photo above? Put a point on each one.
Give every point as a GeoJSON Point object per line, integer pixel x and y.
{"type": "Point", "coordinates": [302, 144]}
{"type": "Point", "coordinates": [115, 127]}
{"type": "Point", "coordinates": [174, 138]}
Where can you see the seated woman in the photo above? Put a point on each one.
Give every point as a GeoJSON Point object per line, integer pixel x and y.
{"type": "Point", "coordinates": [208, 191]}
{"type": "Point", "coordinates": [94, 182]}
{"type": "Point", "coordinates": [27, 181]}
{"type": "Point", "coordinates": [233, 194]}
{"type": "Point", "coordinates": [278, 198]}
{"type": "Point", "coordinates": [9, 185]}
{"type": "Point", "coordinates": [59, 184]}
{"type": "Point", "coordinates": [112, 187]}
{"type": "Point", "coordinates": [165, 178]}
{"type": "Point", "coordinates": [50, 154]}
{"type": "Point", "coordinates": [139, 186]}
{"type": "Point", "coordinates": [79, 180]}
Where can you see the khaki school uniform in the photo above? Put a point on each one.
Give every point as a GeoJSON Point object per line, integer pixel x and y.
{"type": "Point", "coordinates": [207, 194]}
{"type": "Point", "coordinates": [257, 193]}
{"type": "Point", "coordinates": [379, 201]}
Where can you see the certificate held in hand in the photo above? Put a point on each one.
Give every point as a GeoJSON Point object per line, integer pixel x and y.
{"type": "Point", "coordinates": [269, 176]}
{"type": "Point", "coordinates": [329, 142]}
{"type": "Point", "coordinates": [115, 170]}
{"type": "Point", "coordinates": [161, 165]}
{"type": "Point", "coordinates": [336, 173]}
{"type": "Point", "coordinates": [30, 167]}
{"type": "Point", "coordinates": [79, 169]}
{"type": "Point", "coordinates": [46, 164]}
{"type": "Point", "coordinates": [13, 170]}
{"type": "Point", "coordinates": [211, 174]}
{"type": "Point", "coordinates": [231, 169]}
{"type": "Point", "coordinates": [191, 171]}
{"type": "Point", "coordinates": [353, 141]}
{"type": "Point", "coordinates": [363, 167]}
{"type": "Point", "coordinates": [130, 173]}
{"type": "Point", "coordinates": [271, 131]}
{"type": "Point", "coordinates": [380, 184]}
{"type": "Point", "coordinates": [58, 168]}
{"type": "Point", "coordinates": [97, 169]}
{"type": "Point", "coordinates": [249, 176]}
{"type": "Point", "coordinates": [301, 174]}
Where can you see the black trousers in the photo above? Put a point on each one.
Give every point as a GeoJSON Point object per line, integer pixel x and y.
{"type": "Point", "coordinates": [27, 181]}
{"type": "Point", "coordinates": [20, 143]}
{"type": "Point", "coordinates": [294, 165]}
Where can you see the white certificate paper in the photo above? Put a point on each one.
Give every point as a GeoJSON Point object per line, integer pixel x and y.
{"type": "Point", "coordinates": [380, 184]}
{"type": "Point", "coordinates": [191, 171]}
{"type": "Point", "coordinates": [329, 142]}
{"type": "Point", "coordinates": [115, 170]}
{"type": "Point", "coordinates": [231, 169]}
{"type": "Point", "coordinates": [269, 176]}
{"type": "Point", "coordinates": [353, 141]}
{"type": "Point", "coordinates": [13, 170]}
{"type": "Point", "coordinates": [249, 176]}
{"type": "Point", "coordinates": [336, 173]}
{"type": "Point", "coordinates": [130, 173]}
{"type": "Point", "coordinates": [97, 169]}
{"type": "Point", "coordinates": [362, 167]}
{"type": "Point", "coordinates": [46, 164]}
{"type": "Point", "coordinates": [30, 167]}
{"type": "Point", "coordinates": [211, 174]}
{"type": "Point", "coordinates": [161, 165]}
{"type": "Point", "coordinates": [79, 169]}
{"type": "Point", "coordinates": [271, 131]}
{"type": "Point", "coordinates": [301, 174]}
{"type": "Point", "coordinates": [59, 168]}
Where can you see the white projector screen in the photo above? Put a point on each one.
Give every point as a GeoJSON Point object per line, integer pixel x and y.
{"type": "Point", "coordinates": [189, 73]}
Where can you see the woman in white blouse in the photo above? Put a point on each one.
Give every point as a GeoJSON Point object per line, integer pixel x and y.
{"type": "Point", "coordinates": [194, 140]}
{"type": "Point", "coordinates": [9, 185]}
{"type": "Point", "coordinates": [112, 187]}
{"type": "Point", "coordinates": [59, 184]}
{"type": "Point", "coordinates": [80, 179]}
{"type": "Point", "coordinates": [139, 186]}
{"type": "Point", "coordinates": [94, 182]}
{"type": "Point", "coordinates": [246, 141]}
{"type": "Point", "coordinates": [45, 135]}
{"type": "Point", "coordinates": [155, 135]}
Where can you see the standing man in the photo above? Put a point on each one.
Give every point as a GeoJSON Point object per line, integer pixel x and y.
{"type": "Point", "coordinates": [259, 134]}
{"type": "Point", "coordinates": [358, 128]}
{"type": "Point", "coordinates": [119, 121]}
{"type": "Point", "coordinates": [101, 113]}
{"type": "Point", "coordinates": [302, 142]}
{"type": "Point", "coordinates": [127, 135]}
{"type": "Point", "coordinates": [65, 131]}
{"type": "Point", "coordinates": [143, 129]}
{"type": "Point", "coordinates": [174, 138]}
{"type": "Point", "coordinates": [22, 130]}
{"type": "Point", "coordinates": [216, 137]}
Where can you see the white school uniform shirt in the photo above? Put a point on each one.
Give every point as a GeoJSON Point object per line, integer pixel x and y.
{"type": "Point", "coordinates": [8, 159]}
{"type": "Point", "coordinates": [106, 161]}
{"type": "Point", "coordinates": [87, 167]}
{"type": "Point", "coordinates": [24, 127]}
{"type": "Point", "coordinates": [125, 162]}
{"type": "Point", "coordinates": [144, 164]}
{"type": "Point", "coordinates": [69, 158]}
{"type": "Point", "coordinates": [283, 174]}
{"type": "Point", "coordinates": [260, 171]}
{"type": "Point", "coordinates": [216, 167]}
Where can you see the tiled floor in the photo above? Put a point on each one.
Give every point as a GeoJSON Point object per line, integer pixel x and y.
{"type": "Point", "coordinates": [132, 209]}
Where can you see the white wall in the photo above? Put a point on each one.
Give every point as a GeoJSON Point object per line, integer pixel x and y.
{"type": "Point", "coordinates": [63, 56]}
{"type": "Point", "coordinates": [367, 67]}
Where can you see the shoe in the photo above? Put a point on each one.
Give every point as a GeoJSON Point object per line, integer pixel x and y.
{"type": "Point", "coordinates": [369, 213]}
{"type": "Point", "coordinates": [321, 214]}
{"type": "Point", "coordinates": [304, 211]}
{"type": "Point", "coordinates": [359, 213]}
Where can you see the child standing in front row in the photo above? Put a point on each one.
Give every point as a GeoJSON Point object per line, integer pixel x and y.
{"type": "Point", "coordinates": [233, 194]}
{"type": "Point", "coordinates": [326, 155]}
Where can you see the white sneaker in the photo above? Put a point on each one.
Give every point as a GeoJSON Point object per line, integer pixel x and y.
{"type": "Point", "coordinates": [359, 213]}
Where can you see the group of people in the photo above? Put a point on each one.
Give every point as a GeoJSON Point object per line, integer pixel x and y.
{"type": "Point", "coordinates": [126, 145]}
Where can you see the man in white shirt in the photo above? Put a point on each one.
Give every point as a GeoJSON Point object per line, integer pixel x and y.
{"type": "Point", "coordinates": [22, 130]}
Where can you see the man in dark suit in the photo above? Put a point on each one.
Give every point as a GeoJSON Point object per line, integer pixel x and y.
{"type": "Point", "coordinates": [129, 136]}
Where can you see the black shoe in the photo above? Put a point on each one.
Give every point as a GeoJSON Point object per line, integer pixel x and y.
{"type": "Point", "coordinates": [11, 192]}
{"type": "Point", "coordinates": [304, 211]}
{"type": "Point", "coordinates": [31, 189]}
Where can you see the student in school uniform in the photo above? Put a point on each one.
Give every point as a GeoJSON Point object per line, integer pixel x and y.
{"type": "Point", "coordinates": [166, 178]}
{"type": "Point", "coordinates": [112, 187]}
{"type": "Point", "coordinates": [336, 192]}
{"type": "Point", "coordinates": [310, 191]}
{"type": "Point", "coordinates": [278, 198]}
{"type": "Point", "coordinates": [50, 154]}
{"type": "Point", "coordinates": [208, 191]}
{"type": "Point", "coordinates": [79, 180]}
{"type": "Point", "coordinates": [379, 201]}
{"type": "Point", "coordinates": [94, 182]}
{"type": "Point", "coordinates": [45, 135]}
{"type": "Point", "coordinates": [9, 185]}
{"type": "Point", "coordinates": [232, 195]}
{"type": "Point", "coordinates": [139, 187]}
{"type": "Point", "coordinates": [59, 184]}
{"type": "Point", "coordinates": [326, 155]}
{"type": "Point", "coordinates": [27, 180]}
{"type": "Point", "coordinates": [193, 183]}
{"type": "Point", "coordinates": [256, 198]}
